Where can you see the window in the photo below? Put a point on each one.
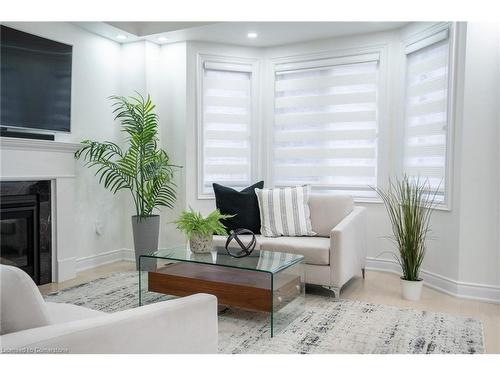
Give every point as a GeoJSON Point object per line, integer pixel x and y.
{"type": "Point", "coordinates": [426, 122]}
{"type": "Point", "coordinates": [225, 125]}
{"type": "Point", "coordinates": [325, 131]}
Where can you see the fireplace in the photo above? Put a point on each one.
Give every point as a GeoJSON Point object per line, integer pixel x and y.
{"type": "Point", "coordinates": [25, 228]}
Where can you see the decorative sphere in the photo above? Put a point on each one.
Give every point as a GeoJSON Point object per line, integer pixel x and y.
{"type": "Point", "coordinates": [245, 249]}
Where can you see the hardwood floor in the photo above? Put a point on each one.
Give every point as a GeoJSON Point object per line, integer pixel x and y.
{"type": "Point", "coordinates": [88, 275]}
{"type": "Point", "coordinates": [378, 287]}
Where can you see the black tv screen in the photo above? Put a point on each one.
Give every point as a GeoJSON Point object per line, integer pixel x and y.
{"type": "Point", "coordinates": [35, 82]}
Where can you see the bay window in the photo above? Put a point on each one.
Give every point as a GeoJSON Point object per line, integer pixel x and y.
{"type": "Point", "coordinates": [325, 128]}
{"type": "Point", "coordinates": [328, 119]}
{"type": "Point", "coordinates": [427, 111]}
{"type": "Point", "coordinates": [225, 125]}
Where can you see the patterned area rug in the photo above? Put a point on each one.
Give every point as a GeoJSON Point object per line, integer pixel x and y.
{"type": "Point", "coordinates": [327, 326]}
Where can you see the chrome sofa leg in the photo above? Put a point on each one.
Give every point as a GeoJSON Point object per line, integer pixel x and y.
{"type": "Point", "coordinates": [363, 272]}
{"type": "Point", "coordinates": [336, 291]}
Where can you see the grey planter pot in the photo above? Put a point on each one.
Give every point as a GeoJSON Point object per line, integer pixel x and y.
{"type": "Point", "coordinates": [146, 231]}
{"type": "Point", "coordinates": [200, 244]}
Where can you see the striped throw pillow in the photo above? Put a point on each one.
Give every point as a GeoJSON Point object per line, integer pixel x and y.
{"type": "Point", "coordinates": [284, 211]}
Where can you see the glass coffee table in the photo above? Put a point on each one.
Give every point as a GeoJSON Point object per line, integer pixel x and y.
{"type": "Point", "coordinates": [265, 281]}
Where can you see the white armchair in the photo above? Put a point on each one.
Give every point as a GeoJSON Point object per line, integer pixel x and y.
{"type": "Point", "coordinates": [336, 218]}
{"type": "Point", "coordinates": [31, 325]}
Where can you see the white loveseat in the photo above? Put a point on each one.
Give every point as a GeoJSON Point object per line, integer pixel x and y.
{"type": "Point", "coordinates": [337, 252]}
{"type": "Point", "coordinates": [31, 325]}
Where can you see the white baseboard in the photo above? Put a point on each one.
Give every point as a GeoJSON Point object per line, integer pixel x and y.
{"type": "Point", "coordinates": [128, 254]}
{"type": "Point", "coordinates": [107, 257]}
{"type": "Point", "coordinates": [65, 269]}
{"type": "Point", "coordinates": [478, 292]}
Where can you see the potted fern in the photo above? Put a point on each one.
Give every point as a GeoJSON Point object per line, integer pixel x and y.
{"type": "Point", "coordinates": [200, 230]}
{"type": "Point", "coordinates": [142, 168]}
{"type": "Point", "coordinates": [410, 203]}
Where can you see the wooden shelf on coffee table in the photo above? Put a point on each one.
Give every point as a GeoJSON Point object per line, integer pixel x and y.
{"type": "Point", "coordinates": [233, 287]}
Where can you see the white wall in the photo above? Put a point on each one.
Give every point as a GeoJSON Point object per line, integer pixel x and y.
{"type": "Point", "coordinates": [478, 237]}
{"type": "Point", "coordinates": [132, 67]}
{"type": "Point", "coordinates": [498, 166]}
{"type": "Point", "coordinates": [172, 102]}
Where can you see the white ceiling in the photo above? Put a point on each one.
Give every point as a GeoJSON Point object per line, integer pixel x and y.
{"type": "Point", "coordinates": [150, 28]}
{"type": "Point", "coordinates": [269, 33]}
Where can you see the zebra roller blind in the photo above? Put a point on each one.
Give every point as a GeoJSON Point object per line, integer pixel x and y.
{"type": "Point", "coordinates": [226, 125]}
{"type": "Point", "coordinates": [325, 131]}
{"type": "Point", "coordinates": [427, 86]}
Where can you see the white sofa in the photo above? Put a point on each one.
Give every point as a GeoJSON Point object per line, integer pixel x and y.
{"type": "Point", "coordinates": [31, 325]}
{"type": "Point", "coordinates": [337, 252]}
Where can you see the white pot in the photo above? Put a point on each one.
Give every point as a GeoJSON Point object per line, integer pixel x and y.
{"type": "Point", "coordinates": [200, 244]}
{"type": "Point", "coordinates": [411, 290]}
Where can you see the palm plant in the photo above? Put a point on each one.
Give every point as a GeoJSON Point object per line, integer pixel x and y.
{"type": "Point", "coordinates": [410, 203]}
{"type": "Point", "coordinates": [143, 168]}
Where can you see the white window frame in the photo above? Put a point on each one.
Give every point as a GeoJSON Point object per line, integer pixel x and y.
{"type": "Point", "coordinates": [319, 59]}
{"type": "Point", "coordinates": [414, 42]}
{"type": "Point", "coordinates": [232, 63]}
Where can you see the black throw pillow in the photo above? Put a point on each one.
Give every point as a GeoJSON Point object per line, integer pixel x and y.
{"type": "Point", "coordinates": [243, 204]}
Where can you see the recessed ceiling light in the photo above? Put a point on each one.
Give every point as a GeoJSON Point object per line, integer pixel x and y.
{"type": "Point", "coordinates": [252, 35]}
{"type": "Point", "coordinates": [121, 37]}
{"type": "Point", "coordinates": [162, 39]}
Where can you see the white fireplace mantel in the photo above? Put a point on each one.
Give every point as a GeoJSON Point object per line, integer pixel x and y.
{"type": "Point", "coordinates": [37, 145]}
{"type": "Point", "coordinates": [26, 159]}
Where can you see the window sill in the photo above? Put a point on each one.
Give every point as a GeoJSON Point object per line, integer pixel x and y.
{"type": "Point", "coordinates": [368, 200]}
{"type": "Point", "coordinates": [441, 207]}
{"type": "Point", "coordinates": [205, 197]}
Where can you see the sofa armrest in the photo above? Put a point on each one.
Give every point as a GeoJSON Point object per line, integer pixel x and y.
{"type": "Point", "coordinates": [348, 247]}
{"type": "Point", "coordinates": [183, 325]}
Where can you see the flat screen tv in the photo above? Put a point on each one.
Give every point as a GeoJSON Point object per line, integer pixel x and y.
{"type": "Point", "coordinates": [35, 82]}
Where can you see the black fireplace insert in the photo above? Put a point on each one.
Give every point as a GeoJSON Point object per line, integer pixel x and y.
{"type": "Point", "coordinates": [25, 228]}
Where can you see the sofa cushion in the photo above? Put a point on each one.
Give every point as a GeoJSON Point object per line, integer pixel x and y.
{"type": "Point", "coordinates": [327, 210]}
{"type": "Point", "coordinates": [22, 305]}
{"type": "Point", "coordinates": [243, 204]}
{"type": "Point", "coordinates": [316, 250]}
{"type": "Point", "coordinates": [64, 312]}
{"type": "Point", "coordinates": [284, 211]}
